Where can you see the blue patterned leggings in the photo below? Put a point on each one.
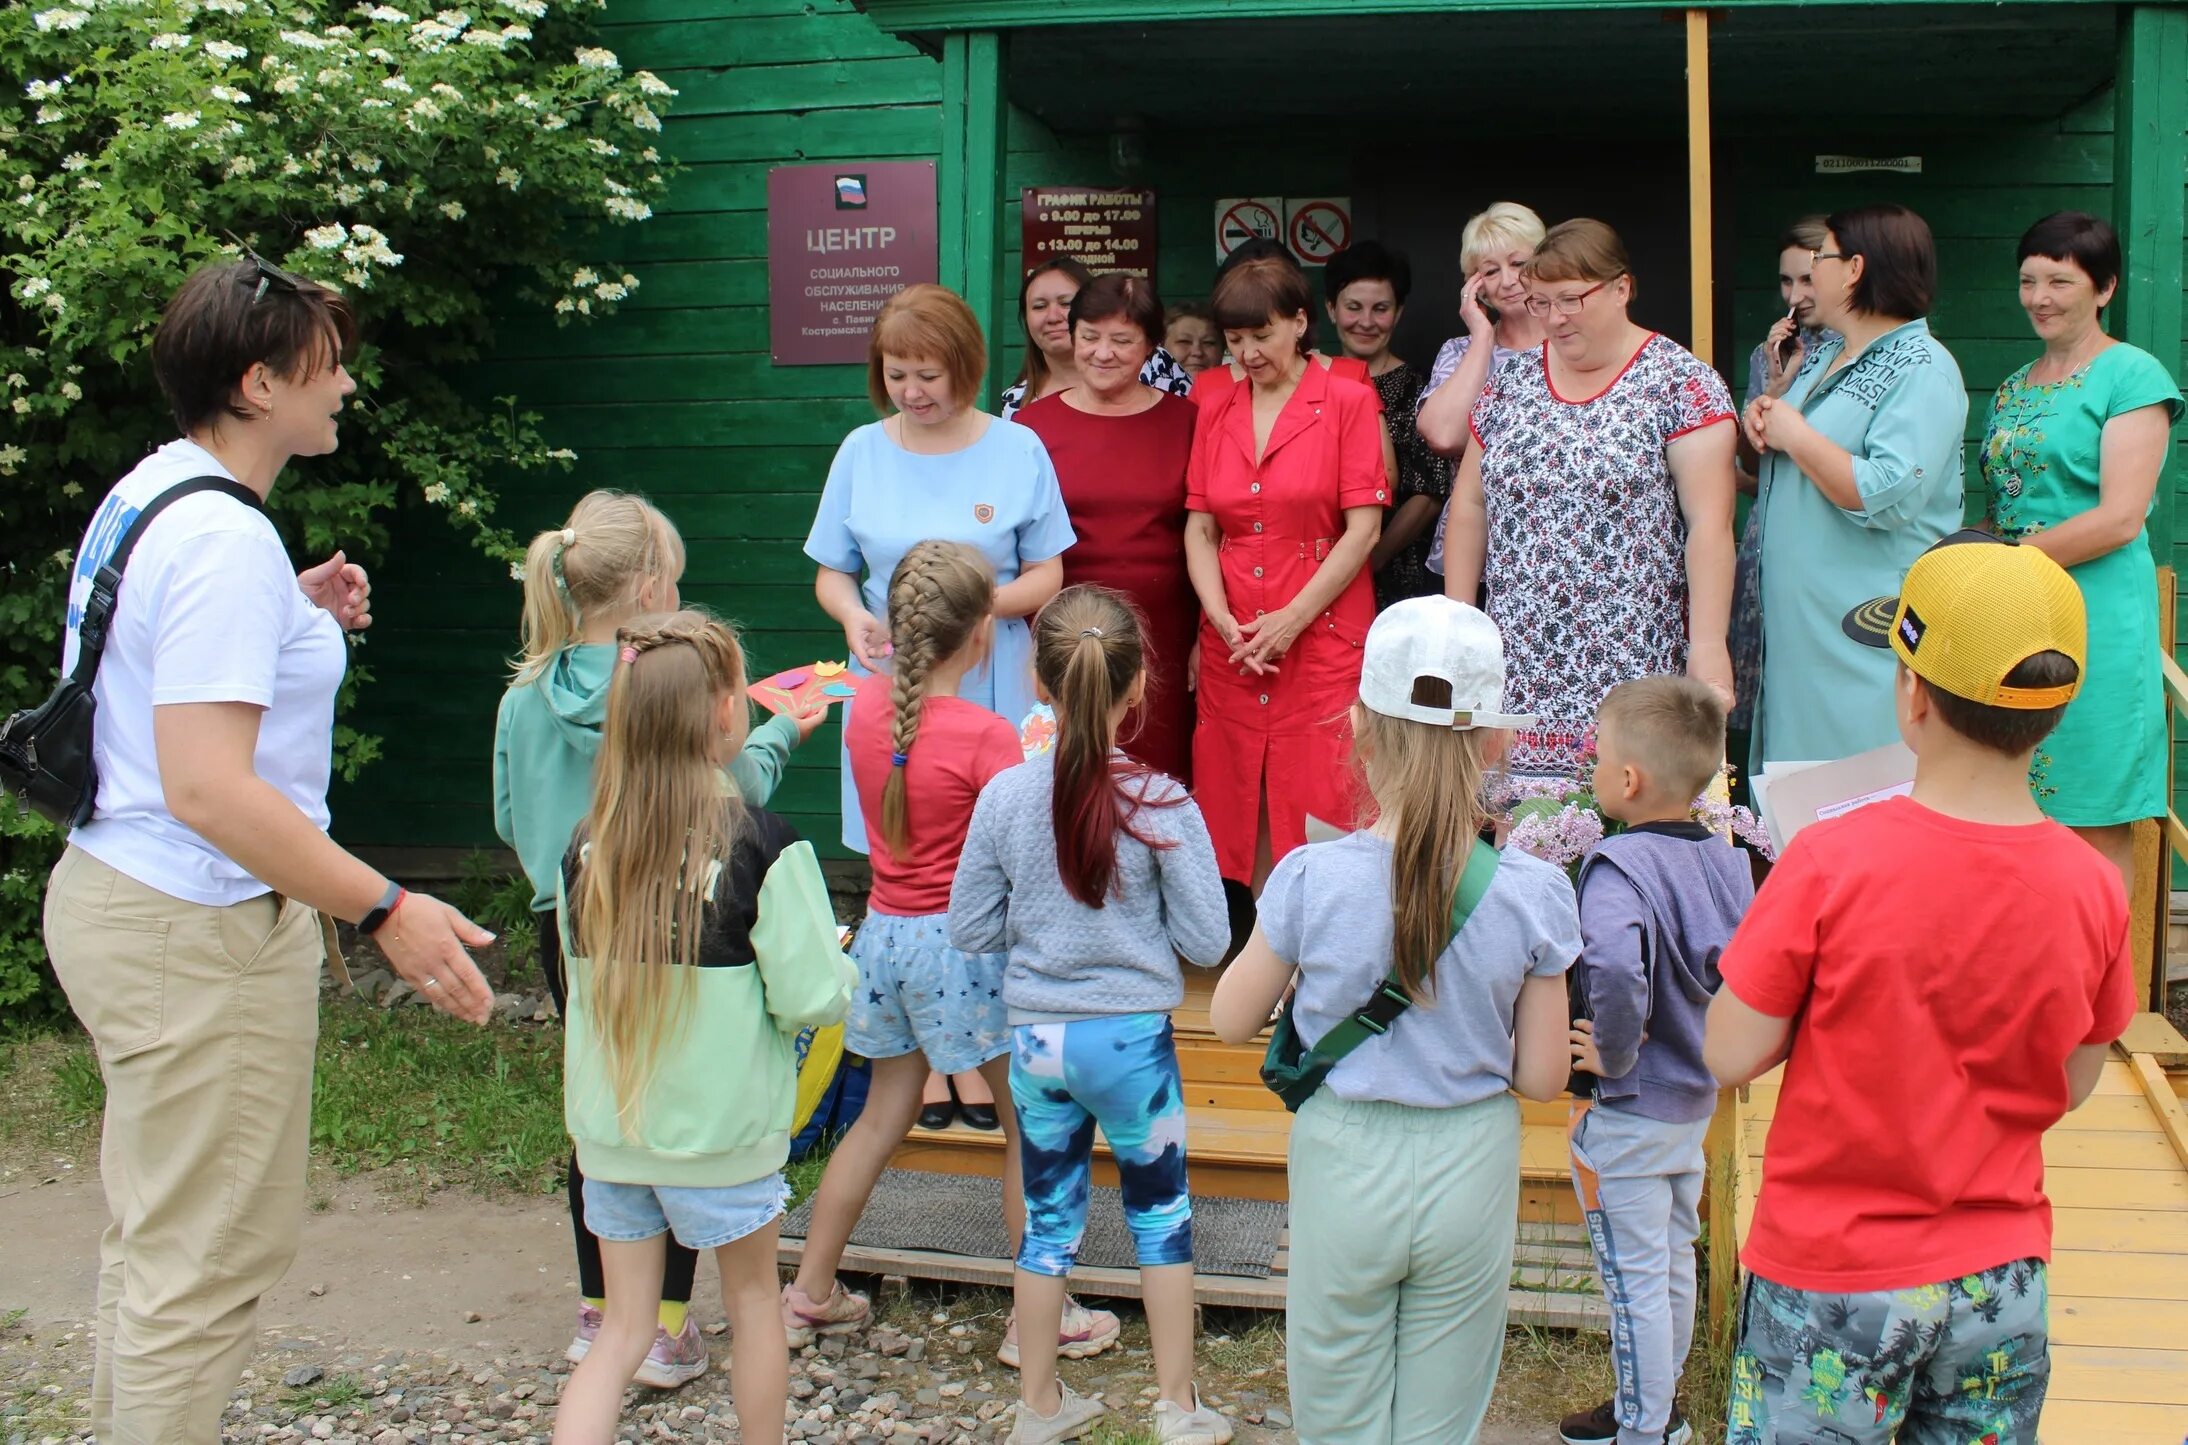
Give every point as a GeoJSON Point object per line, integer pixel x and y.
{"type": "Point", "coordinates": [1119, 1072]}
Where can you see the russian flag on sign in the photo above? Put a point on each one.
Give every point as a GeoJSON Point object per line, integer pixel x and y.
{"type": "Point", "coordinates": [850, 191]}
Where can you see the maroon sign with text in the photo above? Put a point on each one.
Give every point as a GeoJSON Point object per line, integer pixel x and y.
{"type": "Point", "coordinates": [1103, 230]}
{"type": "Point", "coordinates": [841, 240]}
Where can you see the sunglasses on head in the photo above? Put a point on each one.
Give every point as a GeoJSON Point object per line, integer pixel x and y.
{"type": "Point", "coordinates": [265, 276]}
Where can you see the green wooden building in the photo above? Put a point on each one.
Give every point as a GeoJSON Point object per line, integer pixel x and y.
{"type": "Point", "coordinates": [1697, 134]}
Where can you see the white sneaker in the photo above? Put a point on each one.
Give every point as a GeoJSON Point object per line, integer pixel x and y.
{"type": "Point", "coordinates": [1069, 1422]}
{"type": "Point", "coordinates": [1197, 1426]}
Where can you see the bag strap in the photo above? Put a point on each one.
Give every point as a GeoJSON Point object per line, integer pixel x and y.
{"type": "Point", "coordinates": [1390, 1000]}
{"type": "Point", "coordinates": [106, 583]}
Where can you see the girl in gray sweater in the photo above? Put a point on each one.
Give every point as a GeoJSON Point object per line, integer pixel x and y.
{"type": "Point", "coordinates": [1095, 874]}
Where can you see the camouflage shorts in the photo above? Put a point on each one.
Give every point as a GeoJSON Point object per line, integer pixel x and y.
{"type": "Point", "coordinates": [1959, 1363]}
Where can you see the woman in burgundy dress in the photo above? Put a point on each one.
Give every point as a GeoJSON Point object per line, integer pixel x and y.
{"type": "Point", "coordinates": [1120, 449]}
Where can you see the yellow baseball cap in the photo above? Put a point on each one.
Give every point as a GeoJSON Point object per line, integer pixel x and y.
{"type": "Point", "coordinates": [1972, 609]}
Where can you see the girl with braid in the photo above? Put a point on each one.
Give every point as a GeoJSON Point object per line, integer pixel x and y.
{"type": "Point", "coordinates": [920, 753]}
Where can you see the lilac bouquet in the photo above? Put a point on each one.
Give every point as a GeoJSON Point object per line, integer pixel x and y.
{"type": "Point", "coordinates": [1558, 820]}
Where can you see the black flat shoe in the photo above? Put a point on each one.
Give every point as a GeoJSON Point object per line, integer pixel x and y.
{"type": "Point", "coordinates": [977, 1116]}
{"type": "Point", "coordinates": [938, 1116]}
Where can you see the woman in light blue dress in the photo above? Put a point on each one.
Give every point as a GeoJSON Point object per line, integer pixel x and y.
{"type": "Point", "coordinates": [936, 467]}
{"type": "Point", "coordinates": [1860, 473]}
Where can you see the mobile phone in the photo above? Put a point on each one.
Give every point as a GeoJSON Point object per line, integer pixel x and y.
{"type": "Point", "coordinates": [1489, 310]}
{"type": "Point", "coordinates": [1790, 347]}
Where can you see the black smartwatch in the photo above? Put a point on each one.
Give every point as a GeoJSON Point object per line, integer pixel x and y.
{"type": "Point", "coordinates": [381, 911]}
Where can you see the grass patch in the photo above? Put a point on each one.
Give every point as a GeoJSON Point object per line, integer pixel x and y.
{"type": "Point", "coordinates": [337, 1393]}
{"type": "Point", "coordinates": [436, 1102]}
{"type": "Point", "coordinates": [446, 1104]}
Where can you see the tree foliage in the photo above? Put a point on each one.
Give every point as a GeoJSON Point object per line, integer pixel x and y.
{"type": "Point", "coordinates": [441, 170]}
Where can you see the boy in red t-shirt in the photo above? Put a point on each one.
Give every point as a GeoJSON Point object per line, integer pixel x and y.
{"type": "Point", "coordinates": [1941, 976]}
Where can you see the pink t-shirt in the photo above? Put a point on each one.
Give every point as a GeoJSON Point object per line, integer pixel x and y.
{"type": "Point", "coordinates": [1938, 973]}
{"type": "Point", "coordinates": [959, 746]}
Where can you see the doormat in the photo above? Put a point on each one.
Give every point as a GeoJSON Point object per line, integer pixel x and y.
{"type": "Point", "coordinates": [963, 1214]}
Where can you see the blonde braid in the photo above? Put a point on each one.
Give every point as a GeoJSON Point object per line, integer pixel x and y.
{"type": "Point", "coordinates": [938, 595]}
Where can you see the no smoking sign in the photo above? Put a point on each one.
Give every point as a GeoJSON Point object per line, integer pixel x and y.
{"type": "Point", "coordinates": [1240, 219]}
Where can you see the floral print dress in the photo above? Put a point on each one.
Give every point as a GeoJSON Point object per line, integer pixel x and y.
{"type": "Point", "coordinates": [1586, 568]}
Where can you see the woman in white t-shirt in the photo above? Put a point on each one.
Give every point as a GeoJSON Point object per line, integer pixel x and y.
{"type": "Point", "coordinates": [184, 918]}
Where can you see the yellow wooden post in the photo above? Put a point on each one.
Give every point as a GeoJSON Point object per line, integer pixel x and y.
{"type": "Point", "coordinates": [1703, 342]}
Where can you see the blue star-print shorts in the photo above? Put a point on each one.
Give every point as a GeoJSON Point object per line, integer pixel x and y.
{"type": "Point", "coordinates": [915, 992]}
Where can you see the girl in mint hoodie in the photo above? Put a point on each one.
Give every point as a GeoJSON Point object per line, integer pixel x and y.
{"type": "Point", "coordinates": [699, 940]}
{"type": "Point", "coordinates": [616, 557]}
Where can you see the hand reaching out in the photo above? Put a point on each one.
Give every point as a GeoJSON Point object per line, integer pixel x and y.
{"type": "Point", "coordinates": [341, 587]}
{"type": "Point", "coordinates": [868, 640]}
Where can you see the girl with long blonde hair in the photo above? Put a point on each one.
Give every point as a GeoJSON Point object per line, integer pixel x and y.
{"type": "Point", "coordinates": [699, 940]}
{"type": "Point", "coordinates": [1395, 1312]}
{"type": "Point", "coordinates": [615, 558]}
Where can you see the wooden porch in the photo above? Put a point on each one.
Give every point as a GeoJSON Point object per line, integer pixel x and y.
{"type": "Point", "coordinates": [1237, 1137]}
{"type": "Point", "coordinates": [2117, 1173]}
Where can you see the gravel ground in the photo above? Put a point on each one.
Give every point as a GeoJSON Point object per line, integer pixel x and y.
{"type": "Point", "coordinates": [936, 1382]}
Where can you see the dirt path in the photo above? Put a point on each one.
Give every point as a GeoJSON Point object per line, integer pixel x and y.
{"type": "Point", "coordinates": [451, 1318]}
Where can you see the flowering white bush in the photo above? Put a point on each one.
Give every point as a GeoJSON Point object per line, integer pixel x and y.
{"type": "Point", "coordinates": [441, 167]}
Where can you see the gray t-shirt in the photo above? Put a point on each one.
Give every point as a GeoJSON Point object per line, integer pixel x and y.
{"type": "Point", "coordinates": [1327, 909]}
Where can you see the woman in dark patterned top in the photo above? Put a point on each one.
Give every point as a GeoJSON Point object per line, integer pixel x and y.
{"type": "Point", "coordinates": [1596, 507]}
{"type": "Point", "coordinates": [1044, 308]}
{"type": "Point", "coordinates": [1364, 290]}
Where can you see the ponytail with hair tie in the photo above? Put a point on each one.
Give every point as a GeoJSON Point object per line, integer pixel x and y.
{"type": "Point", "coordinates": [627, 541]}
{"type": "Point", "coordinates": [1091, 803]}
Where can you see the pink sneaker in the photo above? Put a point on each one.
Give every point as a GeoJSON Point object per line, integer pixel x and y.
{"type": "Point", "coordinates": [588, 1330]}
{"type": "Point", "coordinates": [674, 1362]}
{"type": "Point", "coordinates": [804, 1321]}
{"type": "Point", "coordinates": [1085, 1334]}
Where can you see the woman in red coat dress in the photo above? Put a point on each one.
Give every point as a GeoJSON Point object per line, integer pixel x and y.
{"type": "Point", "coordinates": [1286, 492]}
{"type": "Point", "coordinates": [1120, 449]}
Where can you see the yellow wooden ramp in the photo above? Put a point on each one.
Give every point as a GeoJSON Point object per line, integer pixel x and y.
{"type": "Point", "coordinates": [2117, 1173]}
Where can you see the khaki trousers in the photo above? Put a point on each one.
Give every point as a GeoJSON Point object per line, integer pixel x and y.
{"type": "Point", "coordinates": [205, 1020]}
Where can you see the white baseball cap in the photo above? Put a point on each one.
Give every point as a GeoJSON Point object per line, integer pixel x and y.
{"type": "Point", "coordinates": [1436, 640]}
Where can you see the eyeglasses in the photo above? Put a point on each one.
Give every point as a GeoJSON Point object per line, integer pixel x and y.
{"type": "Point", "coordinates": [1815, 256]}
{"type": "Point", "coordinates": [1564, 305]}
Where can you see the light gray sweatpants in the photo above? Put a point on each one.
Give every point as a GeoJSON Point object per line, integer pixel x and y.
{"type": "Point", "coordinates": [1640, 1186]}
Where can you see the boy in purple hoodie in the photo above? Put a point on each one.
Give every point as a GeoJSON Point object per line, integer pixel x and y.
{"type": "Point", "coordinates": [1658, 903]}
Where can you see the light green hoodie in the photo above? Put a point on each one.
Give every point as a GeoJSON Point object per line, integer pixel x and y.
{"type": "Point", "coordinates": [545, 739]}
{"type": "Point", "coordinates": [724, 1088]}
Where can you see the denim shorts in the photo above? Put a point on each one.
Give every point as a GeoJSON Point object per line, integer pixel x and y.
{"type": "Point", "coordinates": [700, 1218]}
{"type": "Point", "coordinates": [915, 993]}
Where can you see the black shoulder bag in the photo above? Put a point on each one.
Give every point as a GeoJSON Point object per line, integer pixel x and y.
{"type": "Point", "coordinates": [45, 751]}
{"type": "Point", "coordinates": [1293, 1071]}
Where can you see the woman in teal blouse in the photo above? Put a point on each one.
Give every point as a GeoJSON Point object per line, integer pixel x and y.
{"type": "Point", "coordinates": [1860, 474]}
{"type": "Point", "coordinates": [2071, 458]}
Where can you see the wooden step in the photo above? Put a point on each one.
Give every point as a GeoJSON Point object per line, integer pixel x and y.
{"type": "Point", "coordinates": [1244, 1152]}
{"type": "Point", "coordinates": [1553, 1284]}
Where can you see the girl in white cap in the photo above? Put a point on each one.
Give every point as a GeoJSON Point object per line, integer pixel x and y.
{"type": "Point", "coordinates": [1432, 967]}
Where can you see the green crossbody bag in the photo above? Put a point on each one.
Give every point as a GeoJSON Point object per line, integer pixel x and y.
{"type": "Point", "coordinates": [1293, 1071]}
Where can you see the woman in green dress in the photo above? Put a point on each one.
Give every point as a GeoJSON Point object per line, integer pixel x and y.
{"type": "Point", "coordinates": [2071, 458]}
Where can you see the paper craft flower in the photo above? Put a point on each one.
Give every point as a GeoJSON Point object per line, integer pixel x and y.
{"type": "Point", "coordinates": [1037, 734]}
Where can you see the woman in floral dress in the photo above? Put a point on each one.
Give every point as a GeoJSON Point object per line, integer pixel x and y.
{"type": "Point", "coordinates": [2071, 458]}
{"type": "Point", "coordinates": [1595, 507]}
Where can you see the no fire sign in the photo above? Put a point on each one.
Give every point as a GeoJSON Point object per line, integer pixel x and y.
{"type": "Point", "coordinates": [1241, 219]}
{"type": "Point", "coordinates": [1318, 229]}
